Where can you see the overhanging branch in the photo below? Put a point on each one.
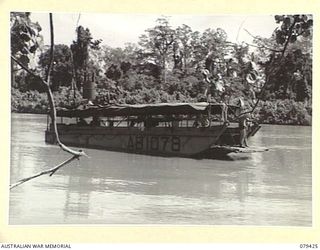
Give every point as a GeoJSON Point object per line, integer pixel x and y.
{"type": "Point", "coordinates": [26, 68]}
{"type": "Point", "coordinates": [50, 171]}
{"type": "Point", "coordinates": [263, 46]}
{"type": "Point", "coordinates": [75, 154]}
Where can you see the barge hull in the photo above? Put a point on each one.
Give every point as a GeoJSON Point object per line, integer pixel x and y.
{"type": "Point", "coordinates": [181, 142]}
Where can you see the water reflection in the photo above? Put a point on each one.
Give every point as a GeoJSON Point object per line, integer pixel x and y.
{"type": "Point", "coordinates": [77, 199]}
{"type": "Point", "coordinates": [269, 188]}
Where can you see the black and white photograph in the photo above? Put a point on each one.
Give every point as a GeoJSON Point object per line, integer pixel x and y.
{"type": "Point", "coordinates": [158, 119]}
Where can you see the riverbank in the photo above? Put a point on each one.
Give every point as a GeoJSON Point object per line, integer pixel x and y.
{"type": "Point", "coordinates": [281, 112]}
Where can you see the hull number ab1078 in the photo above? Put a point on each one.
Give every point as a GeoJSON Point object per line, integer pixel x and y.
{"type": "Point", "coordinates": [154, 143]}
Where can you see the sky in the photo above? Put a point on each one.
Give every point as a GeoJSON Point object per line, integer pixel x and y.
{"type": "Point", "coordinates": [117, 29]}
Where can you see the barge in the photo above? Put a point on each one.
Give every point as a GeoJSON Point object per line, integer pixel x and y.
{"type": "Point", "coordinates": [196, 130]}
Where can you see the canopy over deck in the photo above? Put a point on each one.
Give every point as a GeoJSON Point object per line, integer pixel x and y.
{"type": "Point", "coordinates": [145, 109]}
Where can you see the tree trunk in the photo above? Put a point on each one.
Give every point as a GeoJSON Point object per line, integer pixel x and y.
{"type": "Point", "coordinates": [13, 77]}
{"type": "Point", "coordinates": [184, 61]}
{"type": "Point", "coordinates": [164, 69]}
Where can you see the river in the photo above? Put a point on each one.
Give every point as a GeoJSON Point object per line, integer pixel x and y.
{"type": "Point", "coordinates": [272, 188]}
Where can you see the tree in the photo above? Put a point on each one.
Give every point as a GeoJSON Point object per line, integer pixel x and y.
{"type": "Point", "coordinates": [292, 26]}
{"type": "Point", "coordinates": [197, 56]}
{"type": "Point", "coordinates": [25, 40]}
{"type": "Point", "coordinates": [213, 47]}
{"type": "Point", "coordinates": [184, 44]}
{"type": "Point", "coordinates": [287, 58]}
{"type": "Point", "coordinates": [293, 77]}
{"type": "Point", "coordinates": [80, 49]}
{"type": "Point", "coordinates": [62, 65]}
{"type": "Point", "coordinates": [157, 43]}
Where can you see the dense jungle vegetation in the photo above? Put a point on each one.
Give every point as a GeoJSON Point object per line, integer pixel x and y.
{"type": "Point", "coordinates": [167, 65]}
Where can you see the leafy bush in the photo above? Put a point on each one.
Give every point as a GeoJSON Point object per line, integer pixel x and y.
{"type": "Point", "coordinates": [32, 101]}
{"type": "Point", "coordinates": [28, 102]}
{"type": "Point", "coordinates": [285, 111]}
{"type": "Point", "coordinates": [277, 111]}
